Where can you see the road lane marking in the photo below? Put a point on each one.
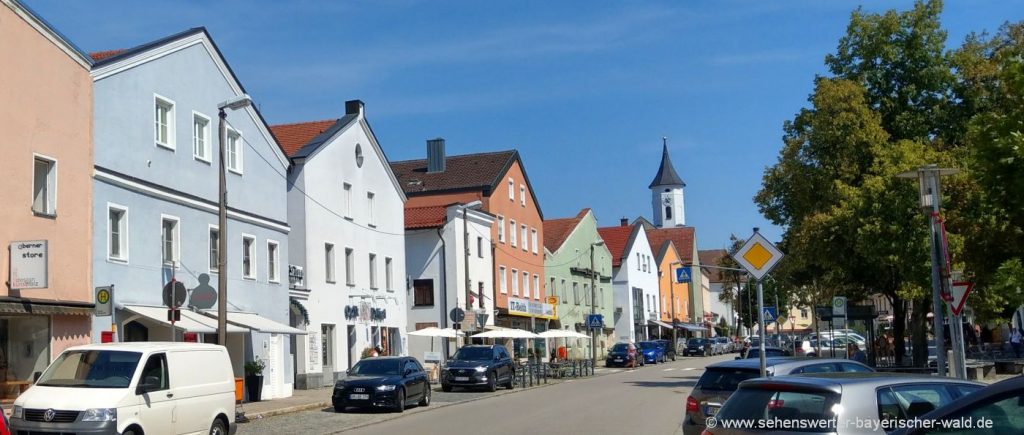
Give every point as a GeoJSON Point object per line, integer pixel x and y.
{"type": "Point", "coordinates": [668, 370]}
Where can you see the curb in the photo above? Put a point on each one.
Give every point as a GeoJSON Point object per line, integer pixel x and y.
{"type": "Point", "coordinates": [288, 410]}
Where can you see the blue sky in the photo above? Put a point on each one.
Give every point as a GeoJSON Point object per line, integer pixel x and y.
{"type": "Point", "coordinates": [584, 90]}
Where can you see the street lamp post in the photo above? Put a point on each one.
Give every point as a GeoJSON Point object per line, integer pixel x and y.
{"type": "Point", "coordinates": [593, 302]}
{"type": "Point", "coordinates": [233, 103]}
{"type": "Point", "coordinates": [672, 295]}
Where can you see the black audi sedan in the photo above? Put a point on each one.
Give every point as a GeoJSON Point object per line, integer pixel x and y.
{"type": "Point", "coordinates": [479, 366]}
{"type": "Point", "coordinates": [383, 382]}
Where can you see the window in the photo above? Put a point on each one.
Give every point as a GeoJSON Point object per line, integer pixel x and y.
{"type": "Point", "coordinates": [369, 208]}
{"type": "Point", "coordinates": [234, 151]}
{"type": "Point", "coordinates": [272, 261]}
{"type": "Point", "coordinates": [156, 369]}
{"type": "Point", "coordinates": [389, 281]}
{"type": "Point", "coordinates": [350, 266]}
{"type": "Point", "coordinates": [512, 232]}
{"type": "Point", "coordinates": [480, 247]}
{"type": "Point", "coordinates": [480, 293]}
{"type": "Point", "coordinates": [200, 137]}
{"type": "Point", "coordinates": [423, 292]}
{"type": "Point", "coordinates": [214, 249]}
{"type": "Point", "coordinates": [348, 200]}
{"type": "Point", "coordinates": [526, 284]}
{"type": "Point", "coordinates": [564, 293]}
{"type": "Point", "coordinates": [536, 286]}
{"type": "Point", "coordinates": [248, 257]}
{"type": "Point", "coordinates": [533, 239]}
{"type": "Point", "coordinates": [511, 189]}
{"type": "Point", "coordinates": [504, 280]}
{"type": "Point", "coordinates": [1004, 411]}
{"type": "Point", "coordinates": [803, 313]}
{"type": "Point", "coordinates": [576, 293]}
{"type": "Point", "coordinates": [515, 282]}
{"type": "Point", "coordinates": [169, 240]}
{"type": "Point", "coordinates": [668, 213]}
{"type": "Point", "coordinates": [373, 271]}
{"type": "Point", "coordinates": [44, 186]}
{"type": "Point", "coordinates": [552, 290]}
{"type": "Point", "coordinates": [117, 246]}
{"type": "Point", "coordinates": [163, 122]}
{"type": "Point", "coordinates": [526, 237]}
{"type": "Point", "coordinates": [586, 293]}
{"type": "Point", "coordinates": [329, 262]}
{"type": "Point", "coordinates": [501, 229]}
{"type": "Point", "coordinates": [638, 261]}
{"type": "Point", "coordinates": [522, 195]}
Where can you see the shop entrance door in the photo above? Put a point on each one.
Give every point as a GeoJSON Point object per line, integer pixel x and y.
{"type": "Point", "coordinates": [351, 345]}
{"type": "Point", "coordinates": [327, 353]}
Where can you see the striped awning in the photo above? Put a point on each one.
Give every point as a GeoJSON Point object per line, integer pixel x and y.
{"type": "Point", "coordinates": [44, 307]}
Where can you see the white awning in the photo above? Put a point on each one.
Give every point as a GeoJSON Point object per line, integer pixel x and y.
{"type": "Point", "coordinates": [257, 323]}
{"type": "Point", "coordinates": [190, 321]}
{"type": "Point", "coordinates": [660, 323]}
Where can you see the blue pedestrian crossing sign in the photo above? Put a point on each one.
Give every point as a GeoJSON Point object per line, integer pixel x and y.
{"type": "Point", "coordinates": [595, 321]}
{"type": "Point", "coordinates": [683, 275]}
{"type": "Point", "coordinates": [770, 314]}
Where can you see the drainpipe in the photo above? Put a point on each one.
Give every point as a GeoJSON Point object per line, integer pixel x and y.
{"type": "Point", "coordinates": [444, 289]}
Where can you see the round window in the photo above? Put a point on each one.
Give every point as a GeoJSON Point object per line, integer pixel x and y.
{"type": "Point", "coordinates": [359, 156]}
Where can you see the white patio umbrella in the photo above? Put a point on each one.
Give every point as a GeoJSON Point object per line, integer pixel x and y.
{"type": "Point", "coordinates": [506, 333]}
{"type": "Point", "coordinates": [434, 332]}
{"type": "Point", "coordinates": [562, 333]}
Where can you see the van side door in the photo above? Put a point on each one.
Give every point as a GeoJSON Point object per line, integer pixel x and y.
{"type": "Point", "coordinates": [157, 414]}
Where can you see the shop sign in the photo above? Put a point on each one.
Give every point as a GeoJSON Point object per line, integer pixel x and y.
{"type": "Point", "coordinates": [28, 264]}
{"type": "Point", "coordinates": [526, 307]}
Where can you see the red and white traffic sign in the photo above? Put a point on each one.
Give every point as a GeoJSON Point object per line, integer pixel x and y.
{"type": "Point", "coordinates": [959, 294]}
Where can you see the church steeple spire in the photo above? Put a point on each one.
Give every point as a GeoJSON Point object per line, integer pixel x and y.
{"type": "Point", "coordinates": [667, 193]}
{"type": "Point", "coordinates": [667, 175]}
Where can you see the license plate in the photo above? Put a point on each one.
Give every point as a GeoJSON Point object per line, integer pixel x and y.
{"type": "Point", "coordinates": [710, 410]}
{"type": "Point", "coordinates": [359, 396]}
{"type": "Point", "coordinates": [618, 359]}
{"type": "Point", "coordinates": [461, 379]}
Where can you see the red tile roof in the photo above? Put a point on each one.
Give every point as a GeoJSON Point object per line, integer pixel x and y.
{"type": "Point", "coordinates": [425, 217]}
{"type": "Point", "coordinates": [616, 239]}
{"type": "Point", "coordinates": [293, 136]}
{"type": "Point", "coordinates": [682, 237]}
{"type": "Point", "coordinates": [468, 171]}
{"type": "Point", "coordinates": [557, 230]}
{"type": "Point", "coordinates": [100, 55]}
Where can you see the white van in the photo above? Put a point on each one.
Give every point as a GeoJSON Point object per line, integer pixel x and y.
{"type": "Point", "coordinates": [132, 388]}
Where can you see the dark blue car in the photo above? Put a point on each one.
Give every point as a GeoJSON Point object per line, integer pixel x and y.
{"type": "Point", "coordinates": [653, 352]}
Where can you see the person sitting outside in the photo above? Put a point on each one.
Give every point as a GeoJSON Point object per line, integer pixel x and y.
{"type": "Point", "coordinates": [853, 352]}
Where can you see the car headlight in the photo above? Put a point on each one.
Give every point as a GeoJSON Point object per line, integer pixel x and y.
{"type": "Point", "coordinates": [386, 388]}
{"type": "Point", "coordinates": [18, 412]}
{"type": "Point", "coordinates": [481, 369]}
{"type": "Point", "coordinates": [100, 414]}
{"type": "Point", "coordinates": [339, 384]}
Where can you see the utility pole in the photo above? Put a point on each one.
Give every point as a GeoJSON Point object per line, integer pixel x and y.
{"type": "Point", "coordinates": [233, 103]}
{"type": "Point", "coordinates": [593, 307]}
{"type": "Point", "coordinates": [672, 294]}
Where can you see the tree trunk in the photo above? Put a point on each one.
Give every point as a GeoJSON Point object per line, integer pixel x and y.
{"type": "Point", "coordinates": [899, 328]}
{"type": "Point", "coordinates": [919, 329]}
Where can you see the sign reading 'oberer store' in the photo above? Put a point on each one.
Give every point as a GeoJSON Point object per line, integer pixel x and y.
{"type": "Point", "coordinates": [28, 264]}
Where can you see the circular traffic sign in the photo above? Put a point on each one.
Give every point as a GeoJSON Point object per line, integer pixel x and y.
{"type": "Point", "coordinates": [103, 296]}
{"type": "Point", "coordinates": [174, 294]}
{"type": "Point", "coordinates": [457, 314]}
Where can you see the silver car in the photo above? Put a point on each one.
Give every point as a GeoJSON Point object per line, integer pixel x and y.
{"type": "Point", "coordinates": [837, 403]}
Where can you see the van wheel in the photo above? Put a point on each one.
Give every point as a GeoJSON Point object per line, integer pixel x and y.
{"type": "Point", "coordinates": [217, 428]}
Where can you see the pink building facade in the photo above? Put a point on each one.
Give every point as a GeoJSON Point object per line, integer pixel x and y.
{"type": "Point", "coordinates": [46, 109]}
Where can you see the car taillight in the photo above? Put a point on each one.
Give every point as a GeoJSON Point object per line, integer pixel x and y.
{"type": "Point", "coordinates": [706, 432]}
{"type": "Point", "coordinates": [775, 404]}
{"type": "Point", "coordinates": [691, 404]}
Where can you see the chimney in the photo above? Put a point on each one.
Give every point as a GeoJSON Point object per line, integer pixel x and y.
{"type": "Point", "coordinates": [624, 222]}
{"type": "Point", "coordinates": [435, 155]}
{"type": "Point", "coordinates": [354, 107]}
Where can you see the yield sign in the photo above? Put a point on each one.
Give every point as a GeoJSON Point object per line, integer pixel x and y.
{"type": "Point", "coordinates": [959, 295]}
{"type": "Point", "coordinates": [758, 256]}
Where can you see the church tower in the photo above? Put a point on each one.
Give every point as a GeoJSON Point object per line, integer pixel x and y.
{"type": "Point", "coordinates": [667, 193]}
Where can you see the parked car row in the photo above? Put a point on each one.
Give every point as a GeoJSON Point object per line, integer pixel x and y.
{"type": "Point", "coordinates": [711, 346]}
{"type": "Point", "coordinates": [639, 354]}
{"type": "Point", "coordinates": [841, 392]}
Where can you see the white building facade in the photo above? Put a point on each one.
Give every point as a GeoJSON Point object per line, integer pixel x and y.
{"type": "Point", "coordinates": [347, 262]}
{"type": "Point", "coordinates": [634, 281]}
{"type": "Point", "coordinates": [436, 261]}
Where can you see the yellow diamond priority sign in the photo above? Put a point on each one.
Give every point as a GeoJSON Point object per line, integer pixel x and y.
{"type": "Point", "coordinates": [758, 256]}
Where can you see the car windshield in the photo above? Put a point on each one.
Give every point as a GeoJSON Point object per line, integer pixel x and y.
{"type": "Point", "coordinates": [620, 347]}
{"type": "Point", "coordinates": [474, 354]}
{"type": "Point", "coordinates": [92, 369]}
{"type": "Point", "coordinates": [696, 342]}
{"type": "Point", "coordinates": [375, 367]}
{"type": "Point", "coordinates": [648, 345]}
{"type": "Point", "coordinates": [756, 404]}
{"type": "Point", "coordinates": [725, 379]}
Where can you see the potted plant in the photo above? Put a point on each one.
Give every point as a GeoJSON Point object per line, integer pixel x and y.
{"type": "Point", "coordinates": [254, 379]}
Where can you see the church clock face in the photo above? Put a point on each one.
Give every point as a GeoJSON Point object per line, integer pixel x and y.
{"type": "Point", "coordinates": [668, 201]}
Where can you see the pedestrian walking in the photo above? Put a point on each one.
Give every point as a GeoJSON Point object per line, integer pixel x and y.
{"type": "Point", "coordinates": [1015, 340]}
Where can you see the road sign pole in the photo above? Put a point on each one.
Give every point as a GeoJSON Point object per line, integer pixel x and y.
{"type": "Point", "coordinates": [760, 320]}
{"type": "Point", "coordinates": [957, 333]}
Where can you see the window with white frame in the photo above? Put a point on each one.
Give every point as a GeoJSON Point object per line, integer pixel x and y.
{"type": "Point", "coordinates": [369, 208]}
{"type": "Point", "coordinates": [536, 286]}
{"type": "Point", "coordinates": [533, 240]}
{"type": "Point", "coordinates": [504, 280]}
{"type": "Point", "coordinates": [234, 151]}
{"type": "Point", "coordinates": [512, 232]}
{"type": "Point", "coordinates": [586, 293]}
{"type": "Point", "coordinates": [214, 249]}
{"type": "Point", "coordinates": [552, 290]}
{"type": "Point", "coordinates": [117, 244]}
{"type": "Point", "coordinates": [329, 274]}
{"type": "Point", "coordinates": [525, 285]}
{"type": "Point", "coordinates": [526, 237]}
{"type": "Point", "coordinates": [44, 186]}
{"type": "Point", "coordinates": [248, 257]}
{"type": "Point", "coordinates": [389, 282]}
{"type": "Point", "coordinates": [522, 195]}
{"type": "Point", "coordinates": [501, 229]}
{"type": "Point", "coordinates": [350, 266]}
{"type": "Point", "coordinates": [169, 240]}
{"type": "Point", "coordinates": [511, 189]}
{"type": "Point", "coordinates": [347, 188]}
{"type": "Point", "coordinates": [373, 271]}
{"type": "Point", "coordinates": [273, 260]}
{"type": "Point", "coordinates": [576, 292]}
{"type": "Point", "coordinates": [564, 293]}
{"type": "Point", "coordinates": [515, 282]}
{"type": "Point", "coordinates": [480, 247]}
{"type": "Point", "coordinates": [200, 137]}
{"type": "Point", "coordinates": [163, 118]}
